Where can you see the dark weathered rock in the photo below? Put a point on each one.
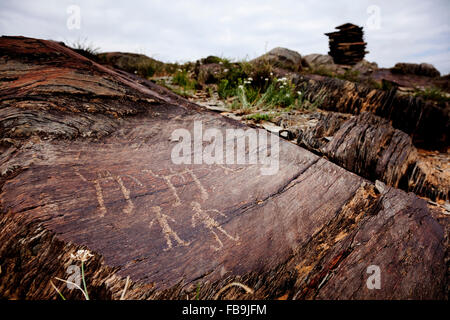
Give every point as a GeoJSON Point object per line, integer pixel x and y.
{"type": "Point", "coordinates": [369, 146]}
{"type": "Point", "coordinates": [410, 81]}
{"type": "Point", "coordinates": [426, 122]}
{"type": "Point", "coordinates": [282, 58]}
{"type": "Point", "coordinates": [422, 69]}
{"type": "Point", "coordinates": [365, 67]}
{"type": "Point", "coordinates": [210, 73]}
{"type": "Point", "coordinates": [86, 163]}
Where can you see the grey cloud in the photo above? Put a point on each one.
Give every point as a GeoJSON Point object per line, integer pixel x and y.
{"type": "Point", "coordinates": [411, 31]}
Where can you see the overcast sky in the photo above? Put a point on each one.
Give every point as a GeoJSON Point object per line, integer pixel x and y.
{"type": "Point", "coordinates": [396, 31]}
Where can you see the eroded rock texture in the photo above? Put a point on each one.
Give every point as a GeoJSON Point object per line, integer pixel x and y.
{"type": "Point", "coordinates": [369, 146]}
{"type": "Point", "coordinates": [86, 163]}
{"type": "Point", "coordinates": [426, 122]}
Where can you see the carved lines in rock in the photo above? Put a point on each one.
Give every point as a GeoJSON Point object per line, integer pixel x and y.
{"type": "Point", "coordinates": [161, 218]}
{"type": "Point", "coordinates": [99, 190]}
{"type": "Point", "coordinates": [201, 215]}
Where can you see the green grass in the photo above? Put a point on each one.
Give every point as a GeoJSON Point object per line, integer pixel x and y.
{"type": "Point", "coordinates": [186, 84]}
{"type": "Point", "coordinates": [182, 79]}
{"type": "Point", "coordinates": [225, 89]}
{"type": "Point", "coordinates": [349, 75]}
{"type": "Point", "coordinates": [432, 93]}
{"type": "Point", "coordinates": [258, 117]}
{"type": "Point", "coordinates": [280, 94]}
{"type": "Point", "coordinates": [322, 71]}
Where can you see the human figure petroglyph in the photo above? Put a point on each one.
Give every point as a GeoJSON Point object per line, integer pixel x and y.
{"type": "Point", "coordinates": [126, 194]}
{"type": "Point", "coordinates": [168, 232]}
{"type": "Point", "coordinates": [158, 216]}
{"type": "Point", "coordinates": [202, 216]}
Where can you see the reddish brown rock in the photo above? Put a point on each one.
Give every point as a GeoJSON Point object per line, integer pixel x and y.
{"type": "Point", "coordinates": [426, 122]}
{"type": "Point", "coordinates": [369, 146]}
{"type": "Point", "coordinates": [86, 163]}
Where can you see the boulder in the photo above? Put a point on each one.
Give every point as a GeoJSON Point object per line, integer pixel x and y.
{"type": "Point", "coordinates": [365, 67]}
{"type": "Point", "coordinates": [422, 69]}
{"type": "Point", "coordinates": [316, 60]}
{"type": "Point", "coordinates": [210, 73]}
{"type": "Point", "coordinates": [282, 58]}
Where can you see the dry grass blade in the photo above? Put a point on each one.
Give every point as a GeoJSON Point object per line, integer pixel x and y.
{"type": "Point", "coordinates": [74, 284]}
{"type": "Point", "coordinates": [237, 284]}
{"type": "Point", "coordinates": [57, 290]}
{"type": "Point", "coordinates": [122, 297]}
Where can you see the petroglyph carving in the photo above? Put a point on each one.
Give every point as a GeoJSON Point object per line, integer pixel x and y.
{"type": "Point", "coordinates": [126, 194]}
{"type": "Point", "coordinates": [99, 193]}
{"type": "Point", "coordinates": [228, 170]}
{"type": "Point", "coordinates": [161, 218]}
{"type": "Point", "coordinates": [203, 192]}
{"type": "Point", "coordinates": [167, 178]}
{"type": "Point", "coordinates": [202, 216]}
{"type": "Point", "coordinates": [99, 190]}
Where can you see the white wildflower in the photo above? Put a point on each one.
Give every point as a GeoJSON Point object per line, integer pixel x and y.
{"type": "Point", "coordinates": [267, 79]}
{"type": "Point", "coordinates": [81, 255]}
{"type": "Point", "coordinates": [250, 79]}
{"type": "Point", "coordinates": [299, 93]}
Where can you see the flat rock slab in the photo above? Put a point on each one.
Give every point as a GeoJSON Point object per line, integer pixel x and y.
{"type": "Point", "coordinates": [98, 174]}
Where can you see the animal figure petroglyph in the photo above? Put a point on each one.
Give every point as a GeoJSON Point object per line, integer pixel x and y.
{"type": "Point", "coordinates": [202, 216]}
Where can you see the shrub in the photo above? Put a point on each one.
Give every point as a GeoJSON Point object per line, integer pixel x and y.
{"type": "Point", "coordinates": [182, 79]}
{"type": "Point", "coordinates": [225, 90]}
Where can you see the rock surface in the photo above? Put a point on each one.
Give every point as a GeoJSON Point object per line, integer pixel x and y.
{"type": "Point", "coordinates": [86, 163]}
{"type": "Point", "coordinates": [369, 146]}
{"type": "Point", "coordinates": [282, 58]}
{"type": "Point", "coordinates": [427, 123]}
{"type": "Point", "coordinates": [422, 69]}
{"type": "Point", "coordinates": [317, 60]}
